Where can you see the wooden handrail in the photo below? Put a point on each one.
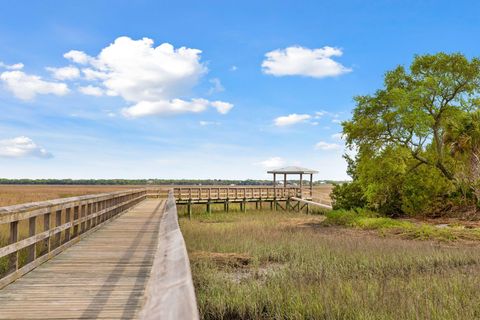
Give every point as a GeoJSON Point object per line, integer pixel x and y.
{"type": "Point", "coordinates": [170, 293]}
{"type": "Point", "coordinates": [73, 217]}
{"type": "Point", "coordinates": [238, 192]}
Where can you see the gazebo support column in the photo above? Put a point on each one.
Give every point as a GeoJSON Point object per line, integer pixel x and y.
{"type": "Point", "coordinates": [274, 204]}
{"type": "Point", "coordinates": [311, 185]}
{"type": "Point", "coordinates": [301, 186]}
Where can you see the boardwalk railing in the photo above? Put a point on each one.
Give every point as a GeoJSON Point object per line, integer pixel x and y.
{"type": "Point", "coordinates": [239, 193]}
{"type": "Point", "coordinates": [170, 293]}
{"type": "Point", "coordinates": [39, 231]}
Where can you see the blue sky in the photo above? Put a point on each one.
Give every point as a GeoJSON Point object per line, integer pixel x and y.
{"type": "Point", "coordinates": [269, 87]}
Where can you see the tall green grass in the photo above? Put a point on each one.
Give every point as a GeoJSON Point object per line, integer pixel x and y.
{"type": "Point", "coordinates": [298, 268]}
{"type": "Point", "coordinates": [368, 220]}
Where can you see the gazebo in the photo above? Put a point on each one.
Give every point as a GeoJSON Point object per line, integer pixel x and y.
{"type": "Point", "coordinates": [295, 171]}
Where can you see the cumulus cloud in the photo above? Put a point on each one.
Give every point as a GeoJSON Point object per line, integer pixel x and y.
{"type": "Point", "coordinates": [153, 79]}
{"type": "Point", "coordinates": [165, 107]}
{"type": "Point", "coordinates": [273, 162]}
{"type": "Point", "coordinates": [78, 57]}
{"type": "Point", "coordinates": [65, 73]}
{"type": "Point", "coordinates": [91, 91]}
{"type": "Point", "coordinates": [296, 60]}
{"type": "Point", "coordinates": [93, 75]}
{"type": "Point", "coordinates": [16, 66]}
{"type": "Point", "coordinates": [322, 145]}
{"type": "Point", "coordinates": [221, 106]}
{"type": "Point", "coordinates": [20, 147]}
{"type": "Point", "coordinates": [26, 87]}
{"type": "Point", "coordinates": [291, 119]}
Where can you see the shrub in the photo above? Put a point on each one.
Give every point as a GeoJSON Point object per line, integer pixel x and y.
{"type": "Point", "coordinates": [348, 196]}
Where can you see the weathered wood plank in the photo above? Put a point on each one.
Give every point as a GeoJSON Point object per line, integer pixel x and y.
{"type": "Point", "coordinates": [102, 276]}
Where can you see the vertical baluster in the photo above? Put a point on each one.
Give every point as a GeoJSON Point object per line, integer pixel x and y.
{"type": "Point", "coordinates": [75, 220]}
{"type": "Point", "coordinates": [58, 223]}
{"type": "Point", "coordinates": [83, 212]}
{"type": "Point", "coordinates": [89, 209]}
{"type": "Point", "coordinates": [46, 227]}
{"type": "Point", "coordinates": [13, 239]}
{"type": "Point", "coordinates": [32, 250]}
{"type": "Point", "coordinates": [68, 231]}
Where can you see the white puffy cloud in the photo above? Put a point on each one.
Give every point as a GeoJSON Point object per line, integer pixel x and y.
{"type": "Point", "coordinates": [16, 66]}
{"type": "Point", "coordinates": [78, 57]}
{"type": "Point", "coordinates": [26, 87]}
{"type": "Point", "coordinates": [316, 63]}
{"type": "Point", "coordinates": [221, 106]}
{"type": "Point", "coordinates": [273, 162]}
{"type": "Point", "coordinates": [322, 145]}
{"type": "Point", "coordinates": [154, 79]}
{"type": "Point", "coordinates": [165, 107]}
{"type": "Point", "coordinates": [91, 91]}
{"type": "Point", "coordinates": [65, 73]}
{"type": "Point", "coordinates": [20, 147]}
{"type": "Point", "coordinates": [91, 74]}
{"type": "Point", "coordinates": [291, 119]}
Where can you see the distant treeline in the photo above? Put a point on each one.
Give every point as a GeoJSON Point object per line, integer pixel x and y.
{"type": "Point", "coordinates": [143, 182]}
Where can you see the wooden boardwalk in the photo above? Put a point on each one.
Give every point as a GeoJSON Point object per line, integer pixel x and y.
{"type": "Point", "coordinates": [103, 276]}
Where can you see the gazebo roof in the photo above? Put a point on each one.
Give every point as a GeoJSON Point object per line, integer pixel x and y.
{"type": "Point", "coordinates": [293, 170]}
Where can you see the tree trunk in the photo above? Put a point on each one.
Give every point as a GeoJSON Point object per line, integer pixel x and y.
{"type": "Point", "coordinates": [475, 174]}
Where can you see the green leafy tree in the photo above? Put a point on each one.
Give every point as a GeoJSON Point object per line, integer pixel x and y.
{"type": "Point", "coordinates": [413, 108]}
{"type": "Point", "coordinates": [399, 132]}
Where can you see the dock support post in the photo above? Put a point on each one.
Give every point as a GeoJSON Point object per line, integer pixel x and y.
{"type": "Point", "coordinates": [209, 207]}
{"type": "Point", "coordinates": [225, 206]}
{"type": "Point", "coordinates": [308, 211]}
{"type": "Point", "coordinates": [256, 205]}
{"type": "Point", "coordinates": [189, 209]}
{"type": "Point", "coordinates": [244, 205]}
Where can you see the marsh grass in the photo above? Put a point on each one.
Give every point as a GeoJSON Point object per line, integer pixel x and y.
{"type": "Point", "coordinates": [16, 194]}
{"type": "Point", "coordinates": [367, 220]}
{"type": "Point", "coordinates": [295, 267]}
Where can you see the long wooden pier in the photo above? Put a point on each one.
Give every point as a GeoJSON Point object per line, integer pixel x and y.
{"type": "Point", "coordinates": [117, 255]}
{"type": "Point", "coordinates": [285, 198]}
{"type": "Point", "coordinates": [129, 260]}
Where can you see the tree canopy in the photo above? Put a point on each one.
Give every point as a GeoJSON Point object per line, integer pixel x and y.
{"type": "Point", "coordinates": [404, 133]}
